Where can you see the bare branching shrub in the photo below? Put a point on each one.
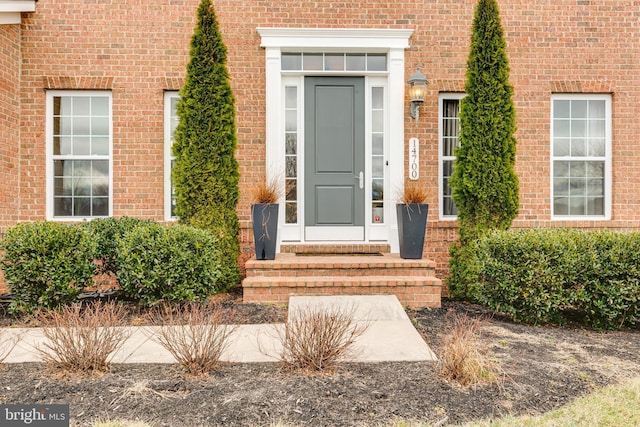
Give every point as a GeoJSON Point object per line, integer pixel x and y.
{"type": "Point", "coordinates": [82, 339]}
{"type": "Point", "coordinates": [463, 358]}
{"type": "Point", "coordinates": [194, 334]}
{"type": "Point", "coordinates": [317, 339]}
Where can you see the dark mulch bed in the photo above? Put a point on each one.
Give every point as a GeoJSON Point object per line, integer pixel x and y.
{"type": "Point", "coordinates": [543, 368]}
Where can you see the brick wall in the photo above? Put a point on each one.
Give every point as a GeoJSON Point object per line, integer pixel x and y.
{"type": "Point", "coordinates": [138, 48]}
{"type": "Point", "coordinates": [9, 121]}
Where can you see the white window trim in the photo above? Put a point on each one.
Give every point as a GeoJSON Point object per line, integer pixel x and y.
{"type": "Point", "coordinates": [11, 10]}
{"type": "Point", "coordinates": [608, 188]}
{"type": "Point", "coordinates": [168, 155]}
{"type": "Point", "coordinates": [393, 42]}
{"type": "Point", "coordinates": [49, 169]}
{"type": "Point", "coordinates": [441, 97]}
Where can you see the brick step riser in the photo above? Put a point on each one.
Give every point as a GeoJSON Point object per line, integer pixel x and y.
{"type": "Point", "coordinates": [416, 297]}
{"type": "Point", "coordinates": [332, 272]}
{"type": "Point", "coordinates": [335, 249]}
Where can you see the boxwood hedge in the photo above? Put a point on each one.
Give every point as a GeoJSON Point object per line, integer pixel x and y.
{"type": "Point", "coordinates": [547, 275]}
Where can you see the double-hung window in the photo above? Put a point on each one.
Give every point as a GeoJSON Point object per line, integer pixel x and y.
{"type": "Point", "coordinates": [581, 156]}
{"type": "Point", "coordinates": [171, 119]}
{"type": "Point", "coordinates": [448, 130]}
{"type": "Point", "coordinates": [79, 130]}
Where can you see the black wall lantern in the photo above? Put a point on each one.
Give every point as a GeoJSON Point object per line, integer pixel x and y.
{"type": "Point", "coordinates": [417, 92]}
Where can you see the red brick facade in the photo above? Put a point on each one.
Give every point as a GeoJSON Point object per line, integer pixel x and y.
{"type": "Point", "coordinates": [137, 49]}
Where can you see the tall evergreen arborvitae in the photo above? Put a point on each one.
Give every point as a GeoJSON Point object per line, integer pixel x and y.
{"type": "Point", "coordinates": [205, 175]}
{"type": "Point", "coordinates": [484, 184]}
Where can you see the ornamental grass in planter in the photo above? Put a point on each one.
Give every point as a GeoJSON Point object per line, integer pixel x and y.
{"type": "Point", "coordinates": [264, 215]}
{"type": "Point", "coordinates": [412, 212]}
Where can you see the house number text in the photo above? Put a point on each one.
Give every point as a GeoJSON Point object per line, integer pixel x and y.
{"type": "Point", "coordinates": [414, 160]}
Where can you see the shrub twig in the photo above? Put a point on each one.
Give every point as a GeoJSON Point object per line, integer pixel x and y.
{"type": "Point", "coordinates": [81, 339]}
{"type": "Point", "coordinates": [194, 334]}
{"type": "Point", "coordinates": [317, 339]}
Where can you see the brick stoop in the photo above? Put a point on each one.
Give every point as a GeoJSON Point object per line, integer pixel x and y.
{"type": "Point", "coordinates": [334, 270]}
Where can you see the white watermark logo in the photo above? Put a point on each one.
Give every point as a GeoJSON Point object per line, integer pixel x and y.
{"type": "Point", "coordinates": [34, 415]}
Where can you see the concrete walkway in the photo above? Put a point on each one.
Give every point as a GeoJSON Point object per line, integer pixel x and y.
{"type": "Point", "coordinates": [390, 336]}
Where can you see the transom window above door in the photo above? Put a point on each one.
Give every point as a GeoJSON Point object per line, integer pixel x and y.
{"type": "Point", "coordinates": [314, 61]}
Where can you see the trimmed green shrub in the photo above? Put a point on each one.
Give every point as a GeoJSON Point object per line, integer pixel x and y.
{"type": "Point", "coordinates": [541, 276]}
{"type": "Point", "coordinates": [106, 233]}
{"type": "Point", "coordinates": [46, 264]}
{"type": "Point", "coordinates": [205, 175]}
{"type": "Point", "coordinates": [173, 264]}
{"type": "Point", "coordinates": [484, 184]}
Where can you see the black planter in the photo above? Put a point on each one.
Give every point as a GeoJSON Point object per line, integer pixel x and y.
{"type": "Point", "coordinates": [265, 229]}
{"type": "Point", "coordinates": [412, 223]}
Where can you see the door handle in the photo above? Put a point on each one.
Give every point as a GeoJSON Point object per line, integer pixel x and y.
{"type": "Point", "coordinates": [360, 178]}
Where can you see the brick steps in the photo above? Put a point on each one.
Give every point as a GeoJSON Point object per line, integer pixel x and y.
{"type": "Point", "coordinates": [412, 281]}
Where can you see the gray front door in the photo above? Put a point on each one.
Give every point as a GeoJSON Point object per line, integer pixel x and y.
{"type": "Point", "coordinates": [334, 158]}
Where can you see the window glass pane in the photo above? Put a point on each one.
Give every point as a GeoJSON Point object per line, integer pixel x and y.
{"type": "Point", "coordinates": [597, 109]}
{"type": "Point", "coordinates": [578, 147]}
{"type": "Point", "coordinates": [356, 62]}
{"type": "Point", "coordinates": [312, 61]}
{"type": "Point", "coordinates": [174, 106]}
{"type": "Point", "coordinates": [560, 169]}
{"type": "Point", "coordinates": [595, 187]}
{"type": "Point", "coordinates": [62, 126]}
{"type": "Point", "coordinates": [100, 106]}
{"type": "Point", "coordinates": [596, 147]}
{"type": "Point", "coordinates": [377, 98]}
{"type": "Point", "coordinates": [561, 128]}
{"type": "Point", "coordinates": [61, 106]}
{"type": "Point", "coordinates": [82, 187]}
{"type": "Point", "coordinates": [579, 109]}
{"type": "Point", "coordinates": [595, 206]}
{"type": "Point", "coordinates": [577, 169]}
{"type": "Point", "coordinates": [578, 128]}
{"type": "Point", "coordinates": [62, 206]}
{"type": "Point", "coordinates": [100, 186]}
{"type": "Point", "coordinates": [377, 189]}
{"type": "Point", "coordinates": [597, 128]}
{"type": "Point", "coordinates": [290, 97]}
{"type": "Point", "coordinates": [595, 169]}
{"type": "Point", "coordinates": [291, 120]}
{"type": "Point", "coordinates": [377, 213]}
{"type": "Point", "coordinates": [576, 206]}
{"type": "Point", "coordinates": [291, 190]}
{"type": "Point", "coordinates": [377, 140]}
{"type": "Point", "coordinates": [82, 206]}
{"type": "Point", "coordinates": [561, 206]}
{"type": "Point", "coordinates": [376, 62]}
{"type": "Point", "coordinates": [334, 62]}
{"type": "Point", "coordinates": [291, 166]}
{"type": "Point", "coordinates": [291, 61]}
{"type": "Point", "coordinates": [561, 187]}
{"type": "Point", "coordinates": [81, 145]}
{"type": "Point", "coordinates": [577, 187]}
{"type": "Point", "coordinates": [291, 213]}
{"type": "Point", "coordinates": [377, 166]}
{"type": "Point", "coordinates": [61, 145]}
{"type": "Point", "coordinates": [448, 146]}
{"type": "Point", "coordinates": [377, 121]}
{"type": "Point", "coordinates": [100, 126]}
{"type": "Point", "coordinates": [81, 106]}
{"type": "Point", "coordinates": [291, 142]}
{"type": "Point", "coordinates": [100, 167]}
{"type": "Point", "coordinates": [100, 206]}
{"type": "Point", "coordinates": [81, 126]}
{"type": "Point", "coordinates": [561, 109]}
{"type": "Point", "coordinates": [63, 186]}
{"type": "Point", "coordinates": [100, 146]}
{"type": "Point", "coordinates": [561, 147]}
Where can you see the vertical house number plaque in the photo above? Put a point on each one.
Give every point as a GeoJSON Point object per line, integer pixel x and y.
{"type": "Point", "coordinates": [414, 159]}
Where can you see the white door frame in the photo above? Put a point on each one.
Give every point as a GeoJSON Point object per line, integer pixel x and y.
{"type": "Point", "coordinates": [393, 43]}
